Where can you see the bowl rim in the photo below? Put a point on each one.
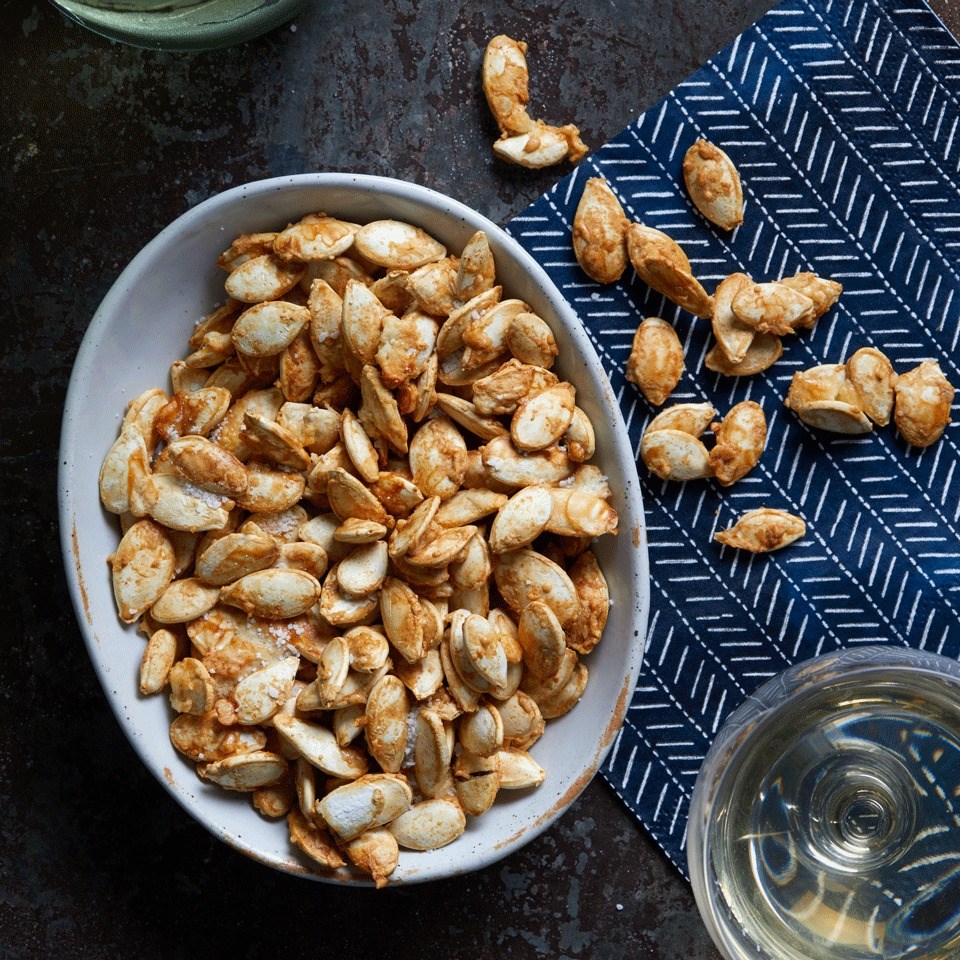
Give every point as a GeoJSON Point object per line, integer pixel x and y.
{"type": "Point", "coordinates": [632, 523]}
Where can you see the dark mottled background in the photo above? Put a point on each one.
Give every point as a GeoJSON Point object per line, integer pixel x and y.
{"type": "Point", "coordinates": [101, 146]}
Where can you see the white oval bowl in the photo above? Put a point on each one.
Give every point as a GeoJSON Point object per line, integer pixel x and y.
{"type": "Point", "coordinates": [142, 326]}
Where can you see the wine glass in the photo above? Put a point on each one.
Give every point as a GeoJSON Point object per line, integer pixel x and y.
{"type": "Point", "coordinates": [825, 822]}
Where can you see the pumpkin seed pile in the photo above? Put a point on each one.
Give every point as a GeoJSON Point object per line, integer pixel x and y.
{"type": "Point", "coordinates": [357, 537]}
{"type": "Point", "coordinates": [748, 320]}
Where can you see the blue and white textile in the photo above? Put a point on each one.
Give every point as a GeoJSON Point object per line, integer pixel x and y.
{"type": "Point", "coordinates": [843, 118]}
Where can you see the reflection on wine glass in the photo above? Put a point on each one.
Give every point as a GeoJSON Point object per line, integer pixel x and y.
{"type": "Point", "coordinates": [826, 818]}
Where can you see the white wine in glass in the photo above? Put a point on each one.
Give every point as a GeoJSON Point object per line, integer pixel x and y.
{"type": "Point", "coordinates": [825, 822]}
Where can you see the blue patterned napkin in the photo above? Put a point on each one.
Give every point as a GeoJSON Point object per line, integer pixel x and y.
{"type": "Point", "coordinates": [844, 121]}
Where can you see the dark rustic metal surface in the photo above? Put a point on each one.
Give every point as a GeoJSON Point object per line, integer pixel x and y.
{"type": "Point", "coordinates": [101, 146]}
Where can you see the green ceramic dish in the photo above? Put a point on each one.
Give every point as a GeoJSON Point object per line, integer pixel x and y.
{"type": "Point", "coordinates": [180, 24]}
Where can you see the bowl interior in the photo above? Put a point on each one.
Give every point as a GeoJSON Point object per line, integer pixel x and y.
{"type": "Point", "coordinates": [142, 326]}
